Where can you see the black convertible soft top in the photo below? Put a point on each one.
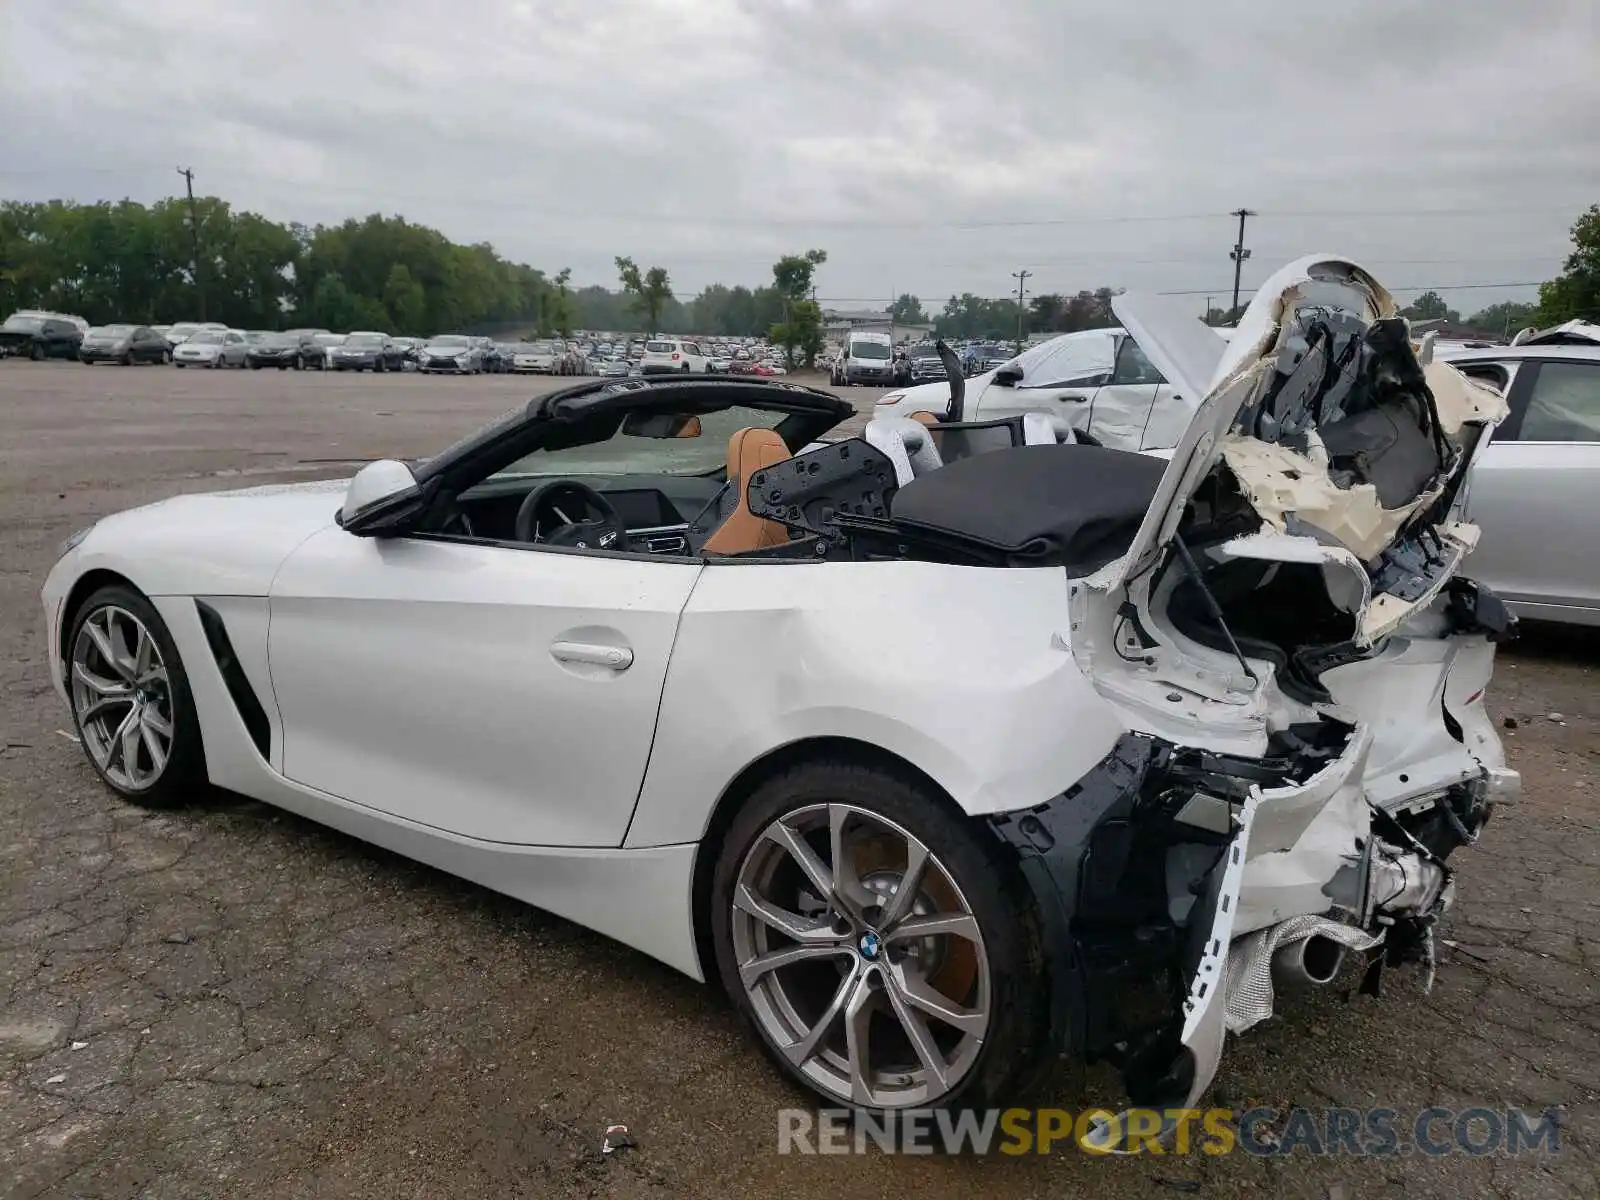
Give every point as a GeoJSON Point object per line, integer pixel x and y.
{"type": "Point", "coordinates": [1074, 506]}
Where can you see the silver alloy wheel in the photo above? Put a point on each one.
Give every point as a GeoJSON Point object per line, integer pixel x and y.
{"type": "Point", "coordinates": [861, 958]}
{"type": "Point", "coordinates": [122, 698]}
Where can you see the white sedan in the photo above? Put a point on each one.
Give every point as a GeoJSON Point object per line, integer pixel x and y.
{"type": "Point", "coordinates": [842, 740]}
{"type": "Point", "coordinates": [1100, 381]}
{"type": "Point", "coordinates": [211, 348]}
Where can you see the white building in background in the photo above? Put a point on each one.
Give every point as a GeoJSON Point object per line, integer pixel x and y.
{"type": "Point", "coordinates": [838, 322]}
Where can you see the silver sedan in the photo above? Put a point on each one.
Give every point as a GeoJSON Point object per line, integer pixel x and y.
{"type": "Point", "coordinates": [1533, 491]}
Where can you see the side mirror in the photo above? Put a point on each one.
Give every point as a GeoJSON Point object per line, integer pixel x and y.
{"type": "Point", "coordinates": [1008, 376]}
{"type": "Point", "coordinates": [379, 492]}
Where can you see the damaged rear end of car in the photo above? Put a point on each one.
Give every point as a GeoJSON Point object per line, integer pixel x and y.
{"type": "Point", "coordinates": [1302, 671]}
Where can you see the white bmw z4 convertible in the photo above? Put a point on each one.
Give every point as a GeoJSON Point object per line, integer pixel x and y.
{"type": "Point", "coordinates": [943, 750]}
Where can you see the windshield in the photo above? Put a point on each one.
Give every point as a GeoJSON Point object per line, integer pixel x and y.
{"type": "Point", "coordinates": [1068, 359]}
{"type": "Point", "coordinates": [110, 331]}
{"type": "Point", "coordinates": [329, 339]}
{"type": "Point", "coordinates": [924, 352]}
{"type": "Point", "coordinates": [451, 339]}
{"type": "Point", "coordinates": [207, 337]}
{"type": "Point", "coordinates": [256, 336]}
{"type": "Point", "coordinates": [24, 324]}
{"type": "Point", "coordinates": [275, 339]}
{"type": "Point", "coordinates": [363, 341]}
{"type": "Point", "coordinates": [868, 350]}
{"type": "Point", "coordinates": [628, 454]}
{"type": "Point", "coordinates": [540, 348]}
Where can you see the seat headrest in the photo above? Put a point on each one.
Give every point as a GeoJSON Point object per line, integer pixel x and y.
{"type": "Point", "coordinates": [907, 442]}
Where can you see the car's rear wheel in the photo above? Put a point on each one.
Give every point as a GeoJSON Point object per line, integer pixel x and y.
{"type": "Point", "coordinates": [37, 353]}
{"type": "Point", "coordinates": [166, 357]}
{"type": "Point", "coordinates": [881, 951]}
{"type": "Point", "coordinates": [131, 702]}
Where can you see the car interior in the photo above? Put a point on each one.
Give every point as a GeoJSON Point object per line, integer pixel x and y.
{"type": "Point", "coordinates": [777, 495]}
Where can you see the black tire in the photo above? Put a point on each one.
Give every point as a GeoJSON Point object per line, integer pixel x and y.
{"type": "Point", "coordinates": [127, 359]}
{"type": "Point", "coordinates": [1015, 1047]}
{"type": "Point", "coordinates": [166, 358]}
{"type": "Point", "coordinates": [378, 367]}
{"type": "Point", "coordinates": [185, 772]}
{"type": "Point", "coordinates": [36, 353]}
{"type": "Point", "coordinates": [299, 363]}
{"type": "Point", "coordinates": [255, 366]}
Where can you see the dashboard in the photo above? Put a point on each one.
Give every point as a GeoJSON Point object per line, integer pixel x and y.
{"type": "Point", "coordinates": [656, 509]}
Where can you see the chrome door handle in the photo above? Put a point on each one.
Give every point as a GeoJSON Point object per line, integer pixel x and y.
{"type": "Point", "coordinates": [618, 658]}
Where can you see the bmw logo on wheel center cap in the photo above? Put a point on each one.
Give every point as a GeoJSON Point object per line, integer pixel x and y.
{"type": "Point", "coordinates": [870, 945]}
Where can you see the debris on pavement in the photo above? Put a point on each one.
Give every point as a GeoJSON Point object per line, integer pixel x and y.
{"type": "Point", "coordinates": [56, 1079]}
{"type": "Point", "coordinates": [80, 1045]}
{"type": "Point", "coordinates": [617, 1138]}
{"type": "Point", "coordinates": [178, 939]}
{"type": "Point", "coordinates": [1178, 1185]}
{"type": "Point", "coordinates": [1509, 722]}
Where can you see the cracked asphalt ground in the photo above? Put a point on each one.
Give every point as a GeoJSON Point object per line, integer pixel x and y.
{"type": "Point", "coordinates": [230, 1001]}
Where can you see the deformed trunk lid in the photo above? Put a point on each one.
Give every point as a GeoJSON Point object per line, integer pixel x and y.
{"type": "Point", "coordinates": [1271, 408]}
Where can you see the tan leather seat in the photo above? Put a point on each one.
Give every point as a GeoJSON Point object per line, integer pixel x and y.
{"type": "Point", "coordinates": [749, 451]}
{"type": "Point", "coordinates": [927, 418]}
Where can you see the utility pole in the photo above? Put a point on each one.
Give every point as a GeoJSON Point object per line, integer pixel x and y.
{"type": "Point", "coordinates": [1022, 285]}
{"type": "Point", "coordinates": [1208, 310]}
{"type": "Point", "coordinates": [194, 240]}
{"type": "Point", "coordinates": [1238, 254]}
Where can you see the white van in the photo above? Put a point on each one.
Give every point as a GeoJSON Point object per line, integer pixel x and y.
{"type": "Point", "coordinates": [864, 358]}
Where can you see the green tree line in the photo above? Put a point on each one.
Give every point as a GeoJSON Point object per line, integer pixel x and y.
{"type": "Point", "coordinates": [127, 261]}
{"type": "Point", "coordinates": [134, 262]}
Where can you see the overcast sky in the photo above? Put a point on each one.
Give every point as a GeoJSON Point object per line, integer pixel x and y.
{"type": "Point", "coordinates": [933, 146]}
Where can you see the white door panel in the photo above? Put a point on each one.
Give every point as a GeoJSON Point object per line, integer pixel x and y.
{"type": "Point", "coordinates": [1534, 502]}
{"type": "Point", "coordinates": [1071, 404]}
{"type": "Point", "coordinates": [499, 693]}
{"type": "Point", "coordinates": [1170, 415]}
{"type": "Point", "coordinates": [1120, 413]}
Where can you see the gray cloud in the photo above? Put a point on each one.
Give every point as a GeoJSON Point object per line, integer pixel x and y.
{"type": "Point", "coordinates": [931, 148]}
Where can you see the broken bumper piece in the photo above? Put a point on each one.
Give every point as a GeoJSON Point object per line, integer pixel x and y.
{"type": "Point", "coordinates": [1141, 904]}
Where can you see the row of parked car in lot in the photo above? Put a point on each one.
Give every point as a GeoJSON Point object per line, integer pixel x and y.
{"type": "Point", "coordinates": [43, 335]}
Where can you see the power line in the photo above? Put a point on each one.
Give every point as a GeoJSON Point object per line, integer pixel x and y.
{"type": "Point", "coordinates": [520, 204]}
{"type": "Point", "coordinates": [1415, 287]}
{"type": "Point", "coordinates": [1211, 291]}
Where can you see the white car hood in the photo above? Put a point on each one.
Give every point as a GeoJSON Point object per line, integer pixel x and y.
{"type": "Point", "coordinates": [216, 543]}
{"type": "Point", "coordinates": [1305, 513]}
{"type": "Point", "coordinates": [1575, 330]}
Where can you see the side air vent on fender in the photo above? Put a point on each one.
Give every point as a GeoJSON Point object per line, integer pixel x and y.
{"type": "Point", "coordinates": [234, 678]}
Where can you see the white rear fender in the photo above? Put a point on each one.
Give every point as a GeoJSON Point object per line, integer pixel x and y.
{"type": "Point", "coordinates": [964, 672]}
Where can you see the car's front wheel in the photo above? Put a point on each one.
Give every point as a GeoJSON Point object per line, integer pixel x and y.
{"type": "Point", "coordinates": [131, 702]}
{"type": "Point", "coordinates": [880, 948]}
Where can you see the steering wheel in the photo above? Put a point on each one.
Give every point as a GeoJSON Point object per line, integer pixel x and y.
{"type": "Point", "coordinates": [564, 512]}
